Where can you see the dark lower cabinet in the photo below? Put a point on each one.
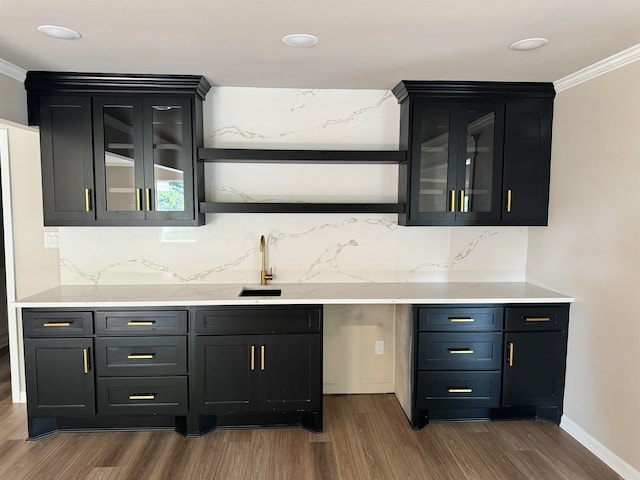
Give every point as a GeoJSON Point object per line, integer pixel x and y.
{"type": "Point", "coordinates": [534, 368]}
{"type": "Point", "coordinates": [464, 372]}
{"type": "Point", "coordinates": [227, 366]}
{"type": "Point", "coordinates": [60, 383]}
{"type": "Point", "coordinates": [257, 365]}
{"type": "Point", "coordinates": [60, 376]}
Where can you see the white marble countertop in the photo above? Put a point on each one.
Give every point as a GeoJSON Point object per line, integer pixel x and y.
{"type": "Point", "coordinates": [292, 294]}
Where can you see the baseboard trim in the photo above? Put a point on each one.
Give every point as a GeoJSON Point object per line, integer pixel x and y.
{"type": "Point", "coordinates": [621, 467]}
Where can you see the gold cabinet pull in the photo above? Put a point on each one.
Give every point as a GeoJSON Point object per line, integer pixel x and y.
{"type": "Point", "coordinates": [460, 390]}
{"type": "Point", "coordinates": [462, 320]}
{"type": "Point", "coordinates": [87, 199]}
{"type": "Point", "coordinates": [453, 201]}
{"type": "Point", "coordinates": [537, 319]}
{"type": "Point", "coordinates": [454, 351]}
{"type": "Point", "coordinates": [253, 357]}
{"type": "Point", "coordinates": [462, 200]}
{"type": "Point", "coordinates": [135, 356]}
{"type": "Point", "coordinates": [262, 357]}
{"type": "Point", "coordinates": [85, 359]}
{"type": "Point", "coordinates": [511, 349]}
{"type": "Point", "coordinates": [57, 324]}
{"type": "Point", "coordinates": [509, 201]}
{"type": "Point", "coordinates": [136, 323]}
{"type": "Point", "coordinates": [138, 199]}
{"type": "Point", "coordinates": [150, 396]}
{"type": "Point", "coordinates": [148, 199]}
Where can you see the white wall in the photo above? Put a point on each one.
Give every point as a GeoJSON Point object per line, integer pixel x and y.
{"type": "Point", "coordinates": [13, 99]}
{"type": "Point", "coordinates": [591, 250]}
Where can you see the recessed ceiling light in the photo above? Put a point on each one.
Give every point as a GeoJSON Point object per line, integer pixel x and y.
{"type": "Point", "coordinates": [55, 31]}
{"type": "Point", "coordinates": [300, 40]}
{"type": "Point", "coordinates": [528, 44]}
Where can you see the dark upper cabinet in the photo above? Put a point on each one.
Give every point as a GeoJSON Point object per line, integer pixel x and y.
{"type": "Point", "coordinates": [66, 149]}
{"type": "Point", "coordinates": [119, 149]}
{"type": "Point", "coordinates": [478, 153]}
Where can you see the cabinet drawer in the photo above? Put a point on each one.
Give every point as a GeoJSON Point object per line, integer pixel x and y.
{"type": "Point", "coordinates": [142, 396]}
{"type": "Point", "coordinates": [57, 323]}
{"type": "Point", "coordinates": [141, 322]}
{"type": "Point", "coordinates": [458, 389]}
{"type": "Point", "coordinates": [460, 319]}
{"type": "Point", "coordinates": [537, 318]}
{"type": "Point", "coordinates": [459, 351]}
{"type": "Point", "coordinates": [140, 356]}
{"type": "Point", "coordinates": [258, 320]}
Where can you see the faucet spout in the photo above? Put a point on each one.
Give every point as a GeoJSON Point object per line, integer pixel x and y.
{"type": "Point", "coordinates": [264, 276]}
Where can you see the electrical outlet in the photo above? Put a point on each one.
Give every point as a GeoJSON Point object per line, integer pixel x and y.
{"type": "Point", "coordinates": [379, 347]}
{"type": "Point", "coordinates": [51, 240]}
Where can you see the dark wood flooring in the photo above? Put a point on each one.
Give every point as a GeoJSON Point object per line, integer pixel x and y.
{"type": "Point", "coordinates": [366, 437]}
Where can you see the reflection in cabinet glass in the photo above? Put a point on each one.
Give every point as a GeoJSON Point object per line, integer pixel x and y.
{"type": "Point", "coordinates": [168, 154]}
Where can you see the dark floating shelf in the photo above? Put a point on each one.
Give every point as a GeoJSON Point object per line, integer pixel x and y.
{"type": "Point", "coordinates": [223, 207]}
{"type": "Point", "coordinates": [300, 156]}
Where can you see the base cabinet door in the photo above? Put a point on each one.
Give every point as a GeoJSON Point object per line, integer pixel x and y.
{"type": "Point", "coordinates": [534, 369]}
{"type": "Point", "coordinates": [60, 377]}
{"type": "Point", "coordinates": [228, 366]}
{"type": "Point", "coordinates": [290, 366]}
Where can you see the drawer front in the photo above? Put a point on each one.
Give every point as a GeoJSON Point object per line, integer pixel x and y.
{"type": "Point", "coordinates": [537, 318]}
{"type": "Point", "coordinates": [142, 396]}
{"type": "Point", "coordinates": [140, 356]}
{"type": "Point", "coordinates": [258, 320]}
{"type": "Point", "coordinates": [460, 319]}
{"type": "Point", "coordinates": [459, 351]}
{"type": "Point", "coordinates": [141, 322]}
{"type": "Point", "coordinates": [458, 389]}
{"type": "Point", "coordinates": [57, 323]}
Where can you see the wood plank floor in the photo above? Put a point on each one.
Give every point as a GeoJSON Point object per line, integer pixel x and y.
{"type": "Point", "coordinates": [366, 437]}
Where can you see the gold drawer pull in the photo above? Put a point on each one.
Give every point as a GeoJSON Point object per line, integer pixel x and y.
{"type": "Point", "coordinates": [460, 390]}
{"type": "Point", "coordinates": [462, 320]}
{"type": "Point", "coordinates": [253, 357]}
{"type": "Point", "coordinates": [87, 199]}
{"type": "Point", "coordinates": [453, 201]}
{"type": "Point", "coordinates": [85, 360]}
{"type": "Point", "coordinates": [462, 208]}
{"type": "Point", "coordinates": [135, 323]}
{"type": "Point", "coordinates": [151, 396]}
{"type": "Point", "coordinates": [57, 324]}
{"type": "Point", "coordinates": [537, 319]}
{"type": "Point", "coordinates": [509, 201]}
{"type": "Point", "coordinates": [148, 198]}
{"type": "Point", "coordinates": [261, 357]}
{"type": "Point", "coordinates": [140, 355]}
{"type": "Point", "coordinates": [511, 348]}
{"type": "Point", "coordinates": [453, 351]}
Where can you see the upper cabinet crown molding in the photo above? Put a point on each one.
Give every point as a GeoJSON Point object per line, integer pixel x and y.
{"type": "Point", "coordinates": [471, 90]}
{"type": "Point", "coordinates": [38, 83]}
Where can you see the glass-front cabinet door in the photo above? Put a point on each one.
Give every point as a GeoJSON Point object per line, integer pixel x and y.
{"type": "Point", "coordinates": [459, 150]}
{"type": "Point", "coordinates": [479, 163]}
{"type": "Point", "coordinates": [143, 152]}
{"type": "Point", "coordinates": [168, 167]}
{"type": "Point", "coordinates": [119, 158]}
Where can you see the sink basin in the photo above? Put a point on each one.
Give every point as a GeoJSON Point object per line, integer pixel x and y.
{"type": "Point", "coordinates": [260, 292]}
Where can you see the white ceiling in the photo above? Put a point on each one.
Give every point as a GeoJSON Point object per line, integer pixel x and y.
{"type": "Point", "coordinates": [367, 44]}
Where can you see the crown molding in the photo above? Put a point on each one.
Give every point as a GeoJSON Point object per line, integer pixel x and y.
{"type": "Point", "coordinates": [613, 62]}
{"type": "Point", "coordinates": [13, 71]}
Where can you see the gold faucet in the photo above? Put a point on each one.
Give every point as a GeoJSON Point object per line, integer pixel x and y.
{"type": "Point", "coordinates": [264, 276]}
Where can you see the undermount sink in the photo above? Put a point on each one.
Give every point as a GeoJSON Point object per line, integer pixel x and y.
{"type": "Point", "coordinates": [260, 292]}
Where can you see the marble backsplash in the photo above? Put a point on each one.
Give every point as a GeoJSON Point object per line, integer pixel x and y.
{"type": "Point", "coordinates": [300, 248]}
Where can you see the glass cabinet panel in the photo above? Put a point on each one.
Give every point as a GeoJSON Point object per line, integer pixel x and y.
{"type": "Point", "coordinates": [478, 169]}
{"type": "Point", "coordinates": [434, 161]}
{"type": "Point", "coordinates": [168, 158]}
{"type": "Point", "coordinates": [120, 158]}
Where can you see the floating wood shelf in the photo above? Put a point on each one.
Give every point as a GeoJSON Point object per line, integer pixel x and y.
{"type": "Point", "coordinates": [224, 207]}
{"type": "Point", "coordinates": [301, 156]}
